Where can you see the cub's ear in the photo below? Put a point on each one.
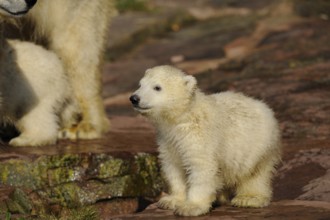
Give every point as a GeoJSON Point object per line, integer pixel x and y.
{"type": "Point", "coordinates": [147, 71]}
{"type": "Point", "coordinates": [190, 82]}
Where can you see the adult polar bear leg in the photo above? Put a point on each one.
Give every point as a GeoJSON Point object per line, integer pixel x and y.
{"type": "Point", "coordinates": [255, 191]}
{"type": "Point", "coordinates": [175, 177]}
{"type": "Point", "coordinates": [202, 179]}
{"type": "Point", "coordinates": [80, 47]}
{"type": "Point", "coordinates": [76, 31]}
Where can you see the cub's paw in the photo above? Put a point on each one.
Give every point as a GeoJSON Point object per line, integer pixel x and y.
{"type": "Point", "coordinates": [255, 201]}
{"type": "Point", "coordinates": [169, 202]}
{"type": "Point", "coordinates": [25, 141]}
{"type": "Point", "coordinates": [192, 209]}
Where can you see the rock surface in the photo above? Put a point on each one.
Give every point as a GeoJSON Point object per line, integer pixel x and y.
{"type": "Point", "coordinates": [286, 209]}
{"type": "Point", "coordinates": [103, 173]}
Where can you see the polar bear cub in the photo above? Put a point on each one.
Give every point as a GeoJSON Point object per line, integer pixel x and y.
{"type": "Point", "coordinates": [35, 94]}
{"type": "Point", "coordinates": [223, 144]}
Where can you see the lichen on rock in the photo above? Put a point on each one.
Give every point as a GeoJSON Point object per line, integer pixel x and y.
{"type": "Point", "coordinates": [77, 180]}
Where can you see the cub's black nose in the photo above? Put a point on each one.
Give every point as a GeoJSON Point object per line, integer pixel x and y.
{"type": "Point", "coordinates": [30, 3]}
{"type": "Point", "coordinates": [135, 99]}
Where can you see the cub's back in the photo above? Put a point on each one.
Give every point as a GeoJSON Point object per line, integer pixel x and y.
{"type": "Point", "coordinates": [240, 106]}
{"type": "Point", "coordinates": [251, 119]}
{"type": "Point", "coordinates": [40, 68]}
{"type": "Point", "coordinates": [247, 129]}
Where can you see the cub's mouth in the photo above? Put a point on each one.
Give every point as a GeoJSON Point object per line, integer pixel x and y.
{"type": "Point", "coordinates": [141, 109]}
{"type": "Point", "coordinates": [136, 102]}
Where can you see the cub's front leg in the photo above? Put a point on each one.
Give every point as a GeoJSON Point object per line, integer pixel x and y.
{"type": "Point", "coordinates": [203, 181]}
{"type": "Point", "coordinates": [174, 174]}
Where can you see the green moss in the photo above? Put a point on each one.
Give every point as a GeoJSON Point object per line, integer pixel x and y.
{"type": "Point", "coordinates": [47, 170]}
{"type": "Point", "coordinates": [3, 207]}
{"type": "Point", "coordinates": [104, 166]}
{"type": "Point", "coordinates": [148, 178]}
{"type": "Point", "coordinates": [68, 160]}
{"type": "Point", "coordinates": [124, 187]}
{"type": "Point", "coordinates": [147, 163]}
{"type": "Point", "coordinates": [63, 175]}
{"type": "Point", "coordinates": [16, 202]}
{"type": "Point", "coordinates": [72, 181]}
{"type": "Point", "coordinates": [132, 5]}
{"type": "Point", "coordinates": [85, 213]}
{"type": "Point", "coordinates": [18, 173]}
{"type": "Point", "coordinates": [4, 174]}
{"type": "Point", "coordinates": [22, 200]}
{"type": "Point", "coordinates": [112, 168]}
{"type": "Point", "coordinates": [66, 195]}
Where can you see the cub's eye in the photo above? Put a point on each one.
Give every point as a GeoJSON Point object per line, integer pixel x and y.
{"type": "Point", "coordinates": [157, 88]}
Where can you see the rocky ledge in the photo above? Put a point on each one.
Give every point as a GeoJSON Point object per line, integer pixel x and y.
{"type": "Point", "coordinates": [113, 175]}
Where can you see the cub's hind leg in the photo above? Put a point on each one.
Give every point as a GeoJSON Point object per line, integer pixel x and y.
{"type": "Point", "coordinates": [255, 191]}
{"type": "Point", "coordinates": [38, 127]}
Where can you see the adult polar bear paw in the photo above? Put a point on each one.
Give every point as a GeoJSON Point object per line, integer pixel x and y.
{"type": "Point", "coordinates": [83, 130]}
{"type": "Point", "coordinates": [169, 202]}
{"type": "Point", "coordinates": [86, 130]}
{"type": "Point", "coordinates": [68, 133]}
{"type": "Point", "coordinates": [192, 209]}
{"type": "Point", "coordinates": [253, 201]}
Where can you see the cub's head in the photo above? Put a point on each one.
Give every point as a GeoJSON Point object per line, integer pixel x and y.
{"type": "Point", "coordinates": [15, 8]}
{"type": "Point", "coordinates": [163, 88]}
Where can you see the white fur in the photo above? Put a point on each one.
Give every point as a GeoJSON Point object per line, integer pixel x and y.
{"type": "Point", "coordinates": [34, 92]}
{"type": "Point", "coordinates": [223, 143]}
{"type": "Point", "coordinates": [76, 31]}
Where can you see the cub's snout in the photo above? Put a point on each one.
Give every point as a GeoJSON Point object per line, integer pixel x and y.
{"type": "Point", "coordinates": [135, 100]}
